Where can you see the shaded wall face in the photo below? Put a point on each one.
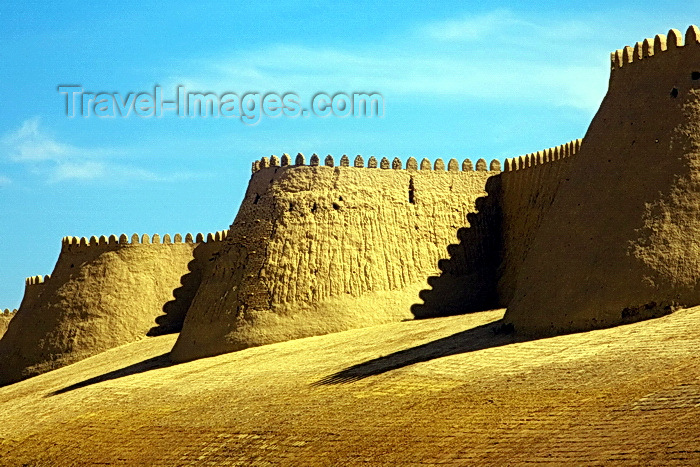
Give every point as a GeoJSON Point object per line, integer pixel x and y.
{"type": "Point", "coordinates": [481, 271]}
{"type": "Point", "coordinates": [321, 249]}
{"type": "Point", "coordinates": [98, 297]}
{"type": "Point", "coordinates": [4, 322]}
{"type": "Point", "coordinates": [525, 199]}
{"type": "Point", "coordinates": [621, 240]}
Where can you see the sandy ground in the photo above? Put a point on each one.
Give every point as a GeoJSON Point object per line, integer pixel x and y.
{"type": "Point", "coordinates": [445, 391]}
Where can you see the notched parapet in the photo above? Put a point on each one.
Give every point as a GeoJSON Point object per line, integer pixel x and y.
{"type": "Point", "coordinates": [373, 162]}
{"type": "Point", "coordinates": [76, 243]}
{"type": "Point", "coordinates": [540, 157]}
{"type": "Point", "coordinates": [36, 280]}
{"type": "Point", "coordinates": [653, 47]}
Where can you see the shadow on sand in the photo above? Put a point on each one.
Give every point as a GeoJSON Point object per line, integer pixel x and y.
{"type": "Point", "coordinates": [486, 336]}
{"type": "Point", "coordinates": [161, 361]}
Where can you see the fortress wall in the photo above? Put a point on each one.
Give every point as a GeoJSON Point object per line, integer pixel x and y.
{"type": "Point", "coordinates": [528, 187]}
{"type": "Point", "coordinates": [622, 238]}
{"type": "Point", "coordinates": [318, 249]}
{"type": "Point", "coordinates": [102, 293]}
{"type": "Point", "coordinates": [481, 271]}
{"type": "Point", "coordinates": [5, 317]}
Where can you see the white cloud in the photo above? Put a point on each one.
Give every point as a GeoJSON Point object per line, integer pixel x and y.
{"type": "Point", "coordinates": [28, 143]}
{"type": "Point", "coordinates": [503, 26]}
{"type": "Point", "coordinates": [42, 154]}
{"type": "Point", "coordinates": [496, 56]}
{"type": "Point", "coordinates": [473, 28]}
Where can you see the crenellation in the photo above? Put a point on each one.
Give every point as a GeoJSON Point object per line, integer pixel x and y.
{"type": "Point", "coordinates": [36, 280]}
{"type": "Point", "coordinates": [274, 161]}
{"type": "Point", "coordinates": [452, 165]}
{"type": "Point", "coordinates": [660, 43]}
{"type": "Point", "coordinates": [69, 243]}
{"type": "Point", "coordinates": [674, 39]}
{"type": "Point", "coordinates": [637, 52]}
{"type": "Point", "coordinates": [314, 161]}
{"type": "Point", "coordinates": [286, 160]}
{"type": "Point", "coordinates": [300, 160]}
{"type": "Point", "coordinates": [651, 47]}
{"type": "Point", "coordinates": [412, 164]}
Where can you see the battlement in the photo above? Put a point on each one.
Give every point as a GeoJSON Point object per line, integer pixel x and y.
{"type": "Point", "coordinates": [543, 157]}
{"type": "Point", "coordinates": [7, 312]}
{"type": "Point", "coordinates": [36, 280]}
{"type": "Point", "coordinates": [73, 243]}
{"type": "Point", "coordinates": [396, 164]}
{"type": "Point", "coordinates": [652, 47]}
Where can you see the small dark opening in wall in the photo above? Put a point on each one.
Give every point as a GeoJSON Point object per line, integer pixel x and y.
{"type": "Point", "coordinates": [340, 198]}
{"type": "Point", "coordinates": [411, 192]}
{"type": "Point", "coordinates": [674, 92]}
{"type": "Point", "coordinates": [257, 198]}
{"type": "Point", "coordinates": [695, 75]}
{"type": "Point", "coordinates": [314, 207]}
{"type": "Point", "coordinates": [291, 206]}
{"type": "Point", "coordinates": [336, 206]}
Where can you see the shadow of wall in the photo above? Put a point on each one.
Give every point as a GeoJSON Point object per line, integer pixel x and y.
{"type": "Point", "coordinates": [468, 277]}
{"type": "Point", "coordinates": [204, 254]}
{"type": "Point", "coordinates": [102, 293]}
{"type": "Point", "coordinates": [481, 271]}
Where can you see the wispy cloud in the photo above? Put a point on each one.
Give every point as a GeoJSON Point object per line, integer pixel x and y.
{"type": "Point", "coordinates": [496, 56]}
{"type": "Point", "coordinates": [4, 180]}
{"type": "Point", "coordinates": [42, 154]}
{"type": "Point", "coordinates": [29, 143]}
{"type": "Point", "coordinates": [504, 26]}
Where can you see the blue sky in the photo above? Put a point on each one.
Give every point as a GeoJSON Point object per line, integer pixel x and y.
{"type": "Point", "coordinates": [459, 80]}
